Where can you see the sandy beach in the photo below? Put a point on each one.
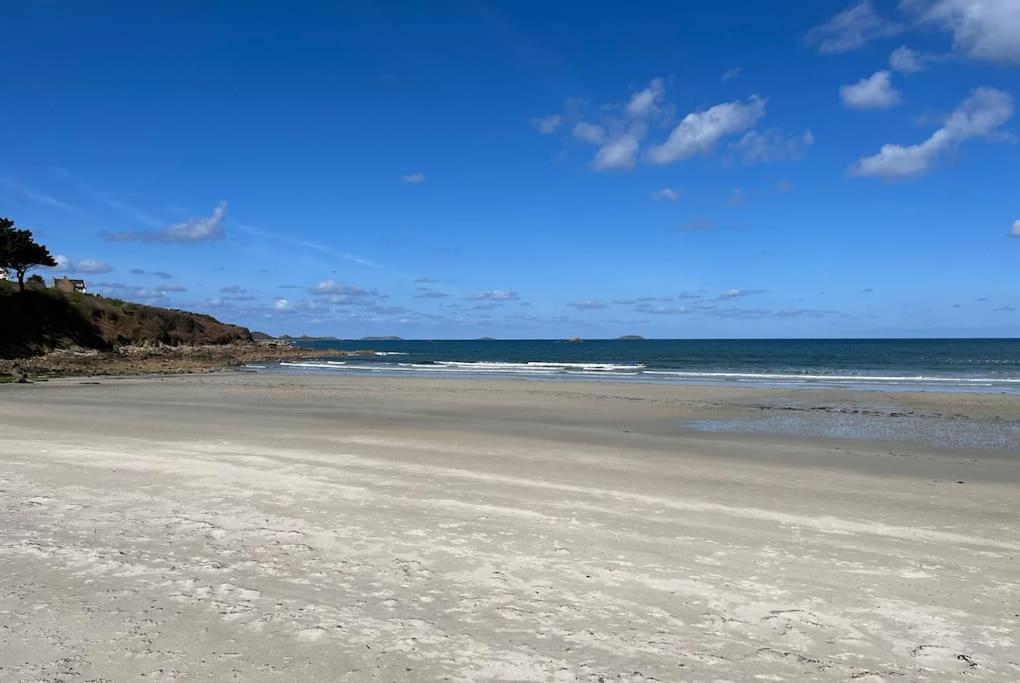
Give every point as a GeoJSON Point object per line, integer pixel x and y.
{"type": "Point", "coordinates": [272, 527]}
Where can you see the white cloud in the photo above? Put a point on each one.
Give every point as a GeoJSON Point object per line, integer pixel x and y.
{"type": "Point", "coordinates": [982, 29]}
{"type": "Point", "coordinates": [85, 266]}
{"type": "Point", "coordinates": [759, 147]}
{"type": "Point", "coordinates": [873, 92]}
{"type": "Point", "coordinates": [854, 27]}
{"type": "Point", "coordinates": [732, 73]}
{"type": "Point", "coordinates": [589, 305]}
{"type": "Point", "coordinates": [155, 273]}
{"type": "Point", "coordinates": [203, 229]}
{"type": "Point", "coordinates": [739, 293]}
{"type": "Point", "coordinates": [646, 102]}
{"type": "Point", "coordinates": [332, 287]}
{"type": "Point", "coordinates": [979, 116]}
{"type": "Point", "coordinates": [1015, 230]}
{"type": "Point", "coordinates": [590, 132]}
{"type": "Point", "coordinates": [547, 125]}
{"type": "Point", "coordinates": [618, 153]}
{"type": "Point", "coordinates": [495, 295]}
{"type": "Point", "coordinates": [414, 178]}
{"type": "Point", "coordinates": [154, 296]}
{"type": "Point", "coordinates": [700, 132]}
{"type": "Point", "coordinates": [906, 60]}
{"type": "Point", "coordinates": [90, 266]}
{"type": "Point", "coordinates": [282, 305]}
{"type": "Point", "coordinates": [667, 194]}
{"type": "Point", "coordinates": [15, 190]}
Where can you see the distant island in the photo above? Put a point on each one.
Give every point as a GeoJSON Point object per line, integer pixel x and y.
{"type": "Point", "coordinates": [382, 339]}
{"type": "Point", "coordinates": [486, 339]}
{"type": "Point", "coordinates": [630, 337]}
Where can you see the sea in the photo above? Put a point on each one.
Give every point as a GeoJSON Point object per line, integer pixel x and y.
{"type": "Point", "coordinates": [984, 365]}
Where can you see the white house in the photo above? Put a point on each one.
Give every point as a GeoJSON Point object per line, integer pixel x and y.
{"type": "Point", "coordinates": [66, 284]}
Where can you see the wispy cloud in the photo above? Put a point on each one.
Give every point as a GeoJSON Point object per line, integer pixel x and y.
{"type": "Point", "coordinates": [667, 194]}
{"type": "Point", "coordinates": [853, 28]}
{"type": "Point", "coordinates": [110, 201]}
{"type": "Point", "coordinates": [772, 145]}
{"type": "Point", "coordinates": [307, 244]}
{"type": "Point", "coordinates": [979, 116]}
{"type": "Point", "coordinates": [17, 191]}
{"type": "Point", "coordinates": [84, 266]}
{"type": "Point", "coordinates": [619, 128]}
{"type": "Point", "coordinates": [155, 273]}
{"type": "Point", "coordinates": [592, 133]}
{"type": "Point", "coordinates": [732, 73]}
{"type": "Point", "coordinates": [700, 132]}
{"type": "Point", "coordinates": [413, 178]}
{"type": "Point", "coordinates": [154, 296]}
{"type": "Point", "coordinates": [1015, 230]}
{"type": "Point", "coordinates": [426, 293]}
{"type": "Point", "coordinates": [648, 308]}
{"type": "Point", "coordinates": [738, 293]}
{"type": "Point", "coordinates": [340, 291]}
{"type": "Point", "coordinates": [646, 102]}
{"type": "Point", "coordinates": [494, 295]}
{"type": "Point", "coordinates": [617, 154]}
{"type": "Point", "coordinates": [909, 61]}
{"type": "Point", "coordinates": [546, 125]}
{"type": "Point", "coordinates": [697, 224]}
{"type": "Point", "coordinates": [589, 305]}
{"type": "Point", "coordinates": [193, 230]}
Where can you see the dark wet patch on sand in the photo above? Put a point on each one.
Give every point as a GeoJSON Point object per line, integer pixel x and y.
{"type": "Point", "coordinates": [947, 432]}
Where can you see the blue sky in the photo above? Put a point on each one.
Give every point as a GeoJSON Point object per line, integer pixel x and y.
{"type": "Point", "coordinates": [526, 169]}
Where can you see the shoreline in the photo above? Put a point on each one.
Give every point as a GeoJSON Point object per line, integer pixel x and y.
{"type": "Point", "coordinates": [157, 360]}
{"type": "Point", "coordinates": [803, 414]}
{"type": "Point", "coordinates": [932, 384]}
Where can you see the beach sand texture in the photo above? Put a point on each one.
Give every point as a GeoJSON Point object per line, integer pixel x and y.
{"type": "Point", "coordinates": [280, 527]}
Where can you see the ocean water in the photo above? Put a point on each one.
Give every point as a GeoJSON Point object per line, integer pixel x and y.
{"type": "Point", "coordinates": [943, 364]}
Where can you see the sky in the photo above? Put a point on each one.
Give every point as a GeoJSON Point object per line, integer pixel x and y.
{"type": "Point", "coordinates": [527, 169]}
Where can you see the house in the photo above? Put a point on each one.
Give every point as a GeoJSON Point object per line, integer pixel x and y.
{"type": "Point", "coordinates": [68, 285]}
{"type": "Point", "coordinates": [4, 275]}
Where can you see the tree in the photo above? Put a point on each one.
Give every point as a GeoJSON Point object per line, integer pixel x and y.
{"type": "Point", "coordinates": [20, 252]}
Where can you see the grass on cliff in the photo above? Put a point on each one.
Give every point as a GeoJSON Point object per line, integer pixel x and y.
{"type": "Point", "coordinates": [42, 319]}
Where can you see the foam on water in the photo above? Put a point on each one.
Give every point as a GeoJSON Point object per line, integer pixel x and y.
{"type": "Point", "coordinates": [610, 371]}
{"type": "Point", "coordinates": [991, 365]}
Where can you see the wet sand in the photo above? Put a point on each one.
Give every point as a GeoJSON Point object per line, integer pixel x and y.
{"type": "Point", "coordinates": [282, 527]}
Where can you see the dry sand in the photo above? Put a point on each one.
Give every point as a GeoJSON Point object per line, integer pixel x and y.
{"type": "Point", "coordinates": [275, 527]}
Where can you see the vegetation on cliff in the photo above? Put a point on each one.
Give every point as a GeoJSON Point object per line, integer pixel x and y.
{"type": "Point", "coordinates": [39, 320]}
{"type": "Point", "coordinates": [35, 319]}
